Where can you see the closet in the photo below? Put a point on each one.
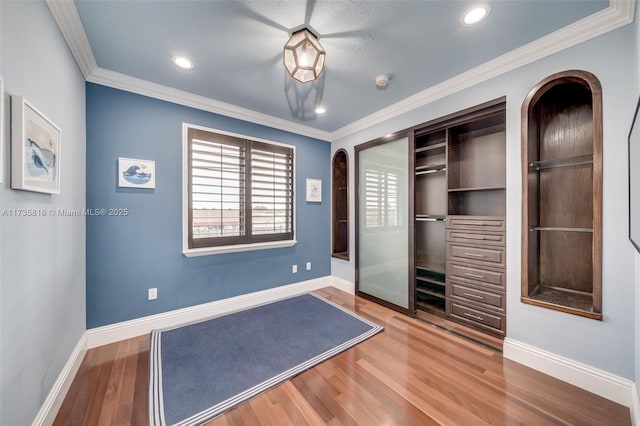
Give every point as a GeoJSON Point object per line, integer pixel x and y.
{"type": "Point", "coordinates": [430, 201]}
{"type": "Point", "coordinates": [430, 212]}
{"type": "Point", "coordinates": [383, 252]}
{"type": "Point", "coordinates": [459, 199]}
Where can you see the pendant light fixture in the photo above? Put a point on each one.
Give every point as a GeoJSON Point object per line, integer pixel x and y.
{"type": "Point", "coordinates": [303, 56]}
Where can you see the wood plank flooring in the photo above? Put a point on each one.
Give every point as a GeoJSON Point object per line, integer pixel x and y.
{"type": "Point", "coordinates": [456, 328]}
{"type": "Point", "coordinates": [410, 374]}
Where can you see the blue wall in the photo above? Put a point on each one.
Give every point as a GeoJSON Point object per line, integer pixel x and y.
{"type": "Point", "coordinates": [128, 255]}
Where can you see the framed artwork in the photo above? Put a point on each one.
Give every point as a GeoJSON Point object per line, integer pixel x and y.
{"type": "Point", "coordinates": [634, 180]}
{"type": "Point", "coordinates": [134, 173]}
{"type": "Point", "coordinates": [35, 149]}
{"type": "Point", "coordinates": [314, 190]}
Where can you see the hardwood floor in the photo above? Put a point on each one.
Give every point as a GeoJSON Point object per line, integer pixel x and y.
{"type": "Point", "coordinates": [410, 374]}
{"type": "Point", "coordinates": [459, 329]}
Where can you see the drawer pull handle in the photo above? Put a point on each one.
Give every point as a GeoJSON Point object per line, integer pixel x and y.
{"type": "Point", "coordinates": [474, 296]}
{"type": "Point", "coordinates": [474, 255]}
{"type": "Point", "coordinates": [475, 237]}
{"type": "Point", "coordinates": [474, 275]}
{"type": "Point", "coordinates": [475, 317]}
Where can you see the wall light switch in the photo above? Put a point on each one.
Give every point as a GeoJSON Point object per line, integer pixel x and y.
{"type": "Point", "coordinates": [294, 269]}
{"type": "Point", "coordinates": [308, 266]}
{"type": "Point", "coordinates": [153, 293]}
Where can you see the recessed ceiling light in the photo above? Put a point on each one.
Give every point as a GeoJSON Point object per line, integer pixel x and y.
{"type": "Point", "coordinates": [475, 14]}
{"type": "Point", "coordinates": [320, 110]}
{"type": "Point", "coordinates": [182, 62]}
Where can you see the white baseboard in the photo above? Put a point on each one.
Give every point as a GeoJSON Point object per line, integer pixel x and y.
{"type": "Point", "coordinates": [52, 404]}
{"type": "Point", "coordinates": [344, 285]}
{"type": "Point", "coordinates": [635, 406]}
{"type": "Point", "coordinates": [607, 385]}
{"type": "Point", "coordinates": [125, 330]}
{"type": "Point", "coordinates": [600, 382]}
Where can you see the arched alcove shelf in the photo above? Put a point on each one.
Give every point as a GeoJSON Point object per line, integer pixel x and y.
{"type": "Point", "coordinates": [340, 205]}
{"type": "Point", "coordinates": [562, 194]}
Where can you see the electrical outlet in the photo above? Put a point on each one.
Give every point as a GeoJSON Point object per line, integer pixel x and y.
{"type": "Point", "coordinates": [153, 293]}
{"type": "Point", "coordinates": [308, 266]}
{"type": "Point", "coordinates": [294, 269]}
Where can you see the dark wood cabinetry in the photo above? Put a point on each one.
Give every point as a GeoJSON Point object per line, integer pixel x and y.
{"type": "Point", "coordinates": [454, 264]}
{"type": "Point", "coordinates": [340, 205]}
{"type": "Point", "coordinates": [430, 200]}
{"type": "Point", "coordinates": [459, 198]}
{"type": "Point", "coordinates": [476, 266]}
{"type": "Point", "coordinates": [562, 194]}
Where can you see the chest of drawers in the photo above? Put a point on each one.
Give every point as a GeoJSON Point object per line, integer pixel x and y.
{"type": "Point", "coordinates": [476, 262]}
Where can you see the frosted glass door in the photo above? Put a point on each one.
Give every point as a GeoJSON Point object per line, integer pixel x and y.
{"type": "Point", "coordinates": [382, 268]}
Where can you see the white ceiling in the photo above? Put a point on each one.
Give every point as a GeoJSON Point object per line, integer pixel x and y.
{"type": "Point", "coordinates": [237, 50]}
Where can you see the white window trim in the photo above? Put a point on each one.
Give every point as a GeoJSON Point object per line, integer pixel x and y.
{"type": "Point", "coordinates": [235, 248]}
{"type": "Point", "coordinates": [205, 251]}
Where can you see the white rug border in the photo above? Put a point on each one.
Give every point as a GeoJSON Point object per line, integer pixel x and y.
{"type": "Point", "coordinates": [156, 406]}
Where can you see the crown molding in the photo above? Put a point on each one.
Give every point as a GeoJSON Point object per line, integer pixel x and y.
{"type": "Point", "coordinates": [68, 20]}
{"type": "Point", "coordinates": [181, 97]}
{"type": "Point", "coordinates": [66, 16]}
{"type": "Point", "coordinates": [618, 14]}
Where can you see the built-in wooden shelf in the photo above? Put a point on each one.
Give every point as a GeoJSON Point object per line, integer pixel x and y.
{"type": "Point", "coordinates": [429, 292]}
{"type": "Point", "coordinates": [479, 188]}
{"type": "Point", "coordinates": [562, 194]}
{"type": "Point", "coordinates": [340, 205]}
{"type": "Point", "coordinates": [561, 299]}
{"type": "Point", "coordinates": [459, 170]}
{"type": "Point", "coordinates": [341, 255]}
{"type": "Point", "coordinates": [432, 147]}
{"type": "Point", "coordinates": [431, 281]}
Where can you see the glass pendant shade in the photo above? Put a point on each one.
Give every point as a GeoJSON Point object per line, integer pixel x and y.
{"type": "Point", "coordinates": [303, 56]}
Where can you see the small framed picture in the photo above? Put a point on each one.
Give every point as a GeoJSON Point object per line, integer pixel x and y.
{"type": "Point", "coordinates": [314, 190]}
{"type": "Point", "coordinates": [133, 173]}
{"type": "Point", "coordinates": [35, 149]}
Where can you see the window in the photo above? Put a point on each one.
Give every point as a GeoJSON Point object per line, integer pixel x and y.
{"type": "Point", "coordinates": [381, 198]}
{"type": "Point", "coordinates": [240, 191]}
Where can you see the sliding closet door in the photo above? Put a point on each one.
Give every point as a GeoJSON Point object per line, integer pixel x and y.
{"type": "Point", "coordinates": [382, 225]}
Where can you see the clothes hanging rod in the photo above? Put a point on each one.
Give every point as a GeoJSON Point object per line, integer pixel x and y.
{"type": "Point", "coordinates": [562, 162]}
{"type": "Point", "coordinates": [559, 228]}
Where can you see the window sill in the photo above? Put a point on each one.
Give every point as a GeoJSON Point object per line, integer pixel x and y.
{"type": "Point", "coordinates": [206, 251]}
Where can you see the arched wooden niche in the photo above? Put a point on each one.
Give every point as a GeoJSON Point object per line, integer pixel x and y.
{"type": "Point", "coordinates": [562, 194]}
{"type": "Point", "coordinates": [340, 205]}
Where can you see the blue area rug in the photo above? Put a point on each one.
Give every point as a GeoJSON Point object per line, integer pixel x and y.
{"type": "Point", "coordinates": [201, 370]}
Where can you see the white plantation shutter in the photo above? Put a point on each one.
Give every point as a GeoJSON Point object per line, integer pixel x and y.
{"type": "Point", "coordinates": [240, 191]}
{"type": "Point", "coordinates": [271, 189]}
{"type": "Point", "coordinates": [391, 212]}
{"type": "Point", "coordinates": [381, 198]}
